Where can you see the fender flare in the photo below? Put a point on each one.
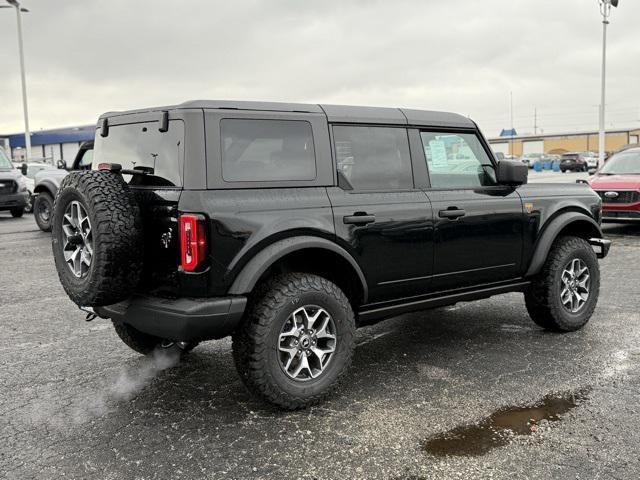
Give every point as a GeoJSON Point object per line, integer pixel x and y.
{"type": "Point", "coordinates": [550, 233]}
{"type": "Point", "coordinates": [46, 186]}
{"type": "Point", "coordinates": [255, 268]}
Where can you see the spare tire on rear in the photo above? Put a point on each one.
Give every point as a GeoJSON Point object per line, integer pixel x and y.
{"type": "Point", "coordinates": [97, 238]}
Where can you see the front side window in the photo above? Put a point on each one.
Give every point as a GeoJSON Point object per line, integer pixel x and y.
{"type": "Point", "coordinates": [374, 158]}
{"type": "Point", "coordinates": [457, 160]}
{"type": "Point", "coordinates": [267, 150]}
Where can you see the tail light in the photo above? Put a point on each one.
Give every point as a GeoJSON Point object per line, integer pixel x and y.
{"type": "Point", "coordinates": [193, 241]}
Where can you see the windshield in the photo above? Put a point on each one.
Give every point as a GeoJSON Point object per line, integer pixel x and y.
{"type": "Point", "coordinates": [5, 164]}
{"type": "Point", "coordinates": [623, 163]}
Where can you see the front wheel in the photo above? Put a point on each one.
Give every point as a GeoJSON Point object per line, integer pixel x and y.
{"type": "Point", "coordinates": [17, 212]}
{"type": "Point", "coordinates": [296, 342]}
{"type": "Point", "coordinates": [564, 294]}
{"type": "Point", "coordinates": [43, 211]}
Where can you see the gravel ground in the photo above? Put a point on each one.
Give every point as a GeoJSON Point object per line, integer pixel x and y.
{"type": "Point", "coordinates": [75, 402]}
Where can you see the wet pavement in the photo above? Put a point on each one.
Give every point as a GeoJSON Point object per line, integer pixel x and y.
{"type": "Point", "coordinates": [75, 402]}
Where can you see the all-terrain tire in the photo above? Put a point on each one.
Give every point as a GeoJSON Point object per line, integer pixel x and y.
{"type": "Point", "coordinates": [17, 212]}
{"type": "Point", "coordinates": [255, 344]}
{"type": "Point", "coordinates": [43, 210]}
{"type": "Point", "coordinates": [543, 298]}
{"type": "Point", "coordinates": [116, 231]}
{"type": "Point", "coordinates": [144, 343]}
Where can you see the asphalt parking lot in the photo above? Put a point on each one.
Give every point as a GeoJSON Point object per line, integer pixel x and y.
{"type": "Point", "coordinates": [75, 402]}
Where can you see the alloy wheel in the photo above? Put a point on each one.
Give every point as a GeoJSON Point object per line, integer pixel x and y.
{"type": "Point", "coordinates": [575, 284]}
{"type": "Point", "coordinates": [307, 343]}
{"type": "Point", "coordinates": [78, 239]}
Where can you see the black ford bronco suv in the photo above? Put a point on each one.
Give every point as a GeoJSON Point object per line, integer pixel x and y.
{"type": "Point", "coordinates": [288, 226]}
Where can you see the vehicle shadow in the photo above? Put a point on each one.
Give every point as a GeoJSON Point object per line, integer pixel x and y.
{"type": "Point", "coordinates": [430, 350]}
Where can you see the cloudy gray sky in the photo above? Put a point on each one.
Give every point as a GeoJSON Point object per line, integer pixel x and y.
{"type": "Point", "coordinates": [85, 57]}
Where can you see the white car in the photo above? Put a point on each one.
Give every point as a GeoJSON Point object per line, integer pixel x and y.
{"type": "Point", "coordinates": [529, 159]}
{"type": "Point", "coordinates": [592, 160]}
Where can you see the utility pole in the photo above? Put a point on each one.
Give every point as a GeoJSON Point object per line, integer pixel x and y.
{"type": "Point", "coordinates": [27, 133]}
{"type": "Point", "coordinates": [511, 110]}
{"type": "Point", "coordinates": [535, 120]}
{"type": "Point", "coordinates": [605, 11]}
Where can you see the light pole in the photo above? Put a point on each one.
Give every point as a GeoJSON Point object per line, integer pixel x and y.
{"type": "Point", "coordinates": [605, 11]}
{"type": "Point", "coordinates": [27, 133]}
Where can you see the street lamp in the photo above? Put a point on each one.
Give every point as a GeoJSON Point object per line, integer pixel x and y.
{"type": "Point", "coordinates": [27, 134]}
{"type": "Point", "coordinates": [605, 11]}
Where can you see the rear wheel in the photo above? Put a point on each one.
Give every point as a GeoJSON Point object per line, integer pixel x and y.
{"type": "Point", "coordinates": [17, 212]}
{"type": "Point", "coordinates": [144, 343]}
{"type": "Point", "coordinates": [564, 294]}
{"type": "Point", "coordinates": [42, 210]}
{"type": "Point", "coordinates": [297, 340]}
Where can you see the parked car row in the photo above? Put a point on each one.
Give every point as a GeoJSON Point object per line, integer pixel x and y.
{"type": "Point", "coordinates": [570, 161]}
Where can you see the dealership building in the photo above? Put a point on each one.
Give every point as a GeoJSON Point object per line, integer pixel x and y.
{"type": "Point", "coordinates": [559, 143]}
{"type": "Point", "coordinates": [53, 145]}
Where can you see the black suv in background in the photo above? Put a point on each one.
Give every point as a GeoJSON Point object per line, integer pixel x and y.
{"type": "Point", "coordinates": [574, 162]}
{"type": "Point", "coordinates": [288, 226]}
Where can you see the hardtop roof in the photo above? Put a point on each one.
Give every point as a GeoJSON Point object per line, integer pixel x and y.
{"type": "Point", "coordinates": [334, 113]}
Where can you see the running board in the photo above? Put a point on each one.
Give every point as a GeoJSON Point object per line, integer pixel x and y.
{"type": "Point", "coordinates": [367, 316]}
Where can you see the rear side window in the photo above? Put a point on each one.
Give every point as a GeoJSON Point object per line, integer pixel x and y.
{"type": "Point", "coordinates": [374, 158]}
{"type": "Point", "coordinates": [267, 150]}
{"type": "Point", "coordinates": [143, 145]}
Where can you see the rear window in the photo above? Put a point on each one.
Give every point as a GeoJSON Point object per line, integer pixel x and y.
{"type": "Point", "coordinates": [267, 150]}
{"type": "Point", "coordinates": [569, 156]}
{"type": "Point", "coordinates": [143, 145]}
{"type": "Point", "coordinates": [374, 158]}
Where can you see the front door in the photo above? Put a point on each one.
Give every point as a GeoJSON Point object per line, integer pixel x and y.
{"type": "Point", "coordinates": [380, 218]}
{"type": "Point", "coordinates": [478, 224]}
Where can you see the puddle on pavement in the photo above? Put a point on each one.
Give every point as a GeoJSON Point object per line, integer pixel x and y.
{"type": "Point", "coordinates": [499, 428]}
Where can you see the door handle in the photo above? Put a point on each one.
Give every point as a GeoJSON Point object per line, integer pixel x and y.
{"type": "Point", "coordinates": [358, 218]}
{"type": "Point", "coordinates": [452, 213]}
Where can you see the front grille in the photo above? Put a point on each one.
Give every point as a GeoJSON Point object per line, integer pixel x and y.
{"type": "Point", "coordinates": [624, 196]}
{"type": "Point", "coordinates": [7, 187]}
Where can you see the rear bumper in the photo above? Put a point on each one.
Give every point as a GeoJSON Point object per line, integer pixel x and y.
{"type": "Point", "coordinates": [14, 200]}
{"type": "Point", "coordinates": [601, 246]}
{"type": "Point", "coordinates": [181, 319]}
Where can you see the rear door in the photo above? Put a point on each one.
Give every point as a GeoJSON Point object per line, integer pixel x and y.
{"type": "Point", "coordinates": [478, 224]}
{"type": "Point", "coordinates": [380, 217]}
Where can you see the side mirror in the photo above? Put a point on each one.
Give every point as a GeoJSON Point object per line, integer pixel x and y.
{"type": "Point", "coordinates": [62, 164]}
{"type": "Point", "coordinates": [512, 173]}
{"type": "Point", "coordinates": [24, 169]}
